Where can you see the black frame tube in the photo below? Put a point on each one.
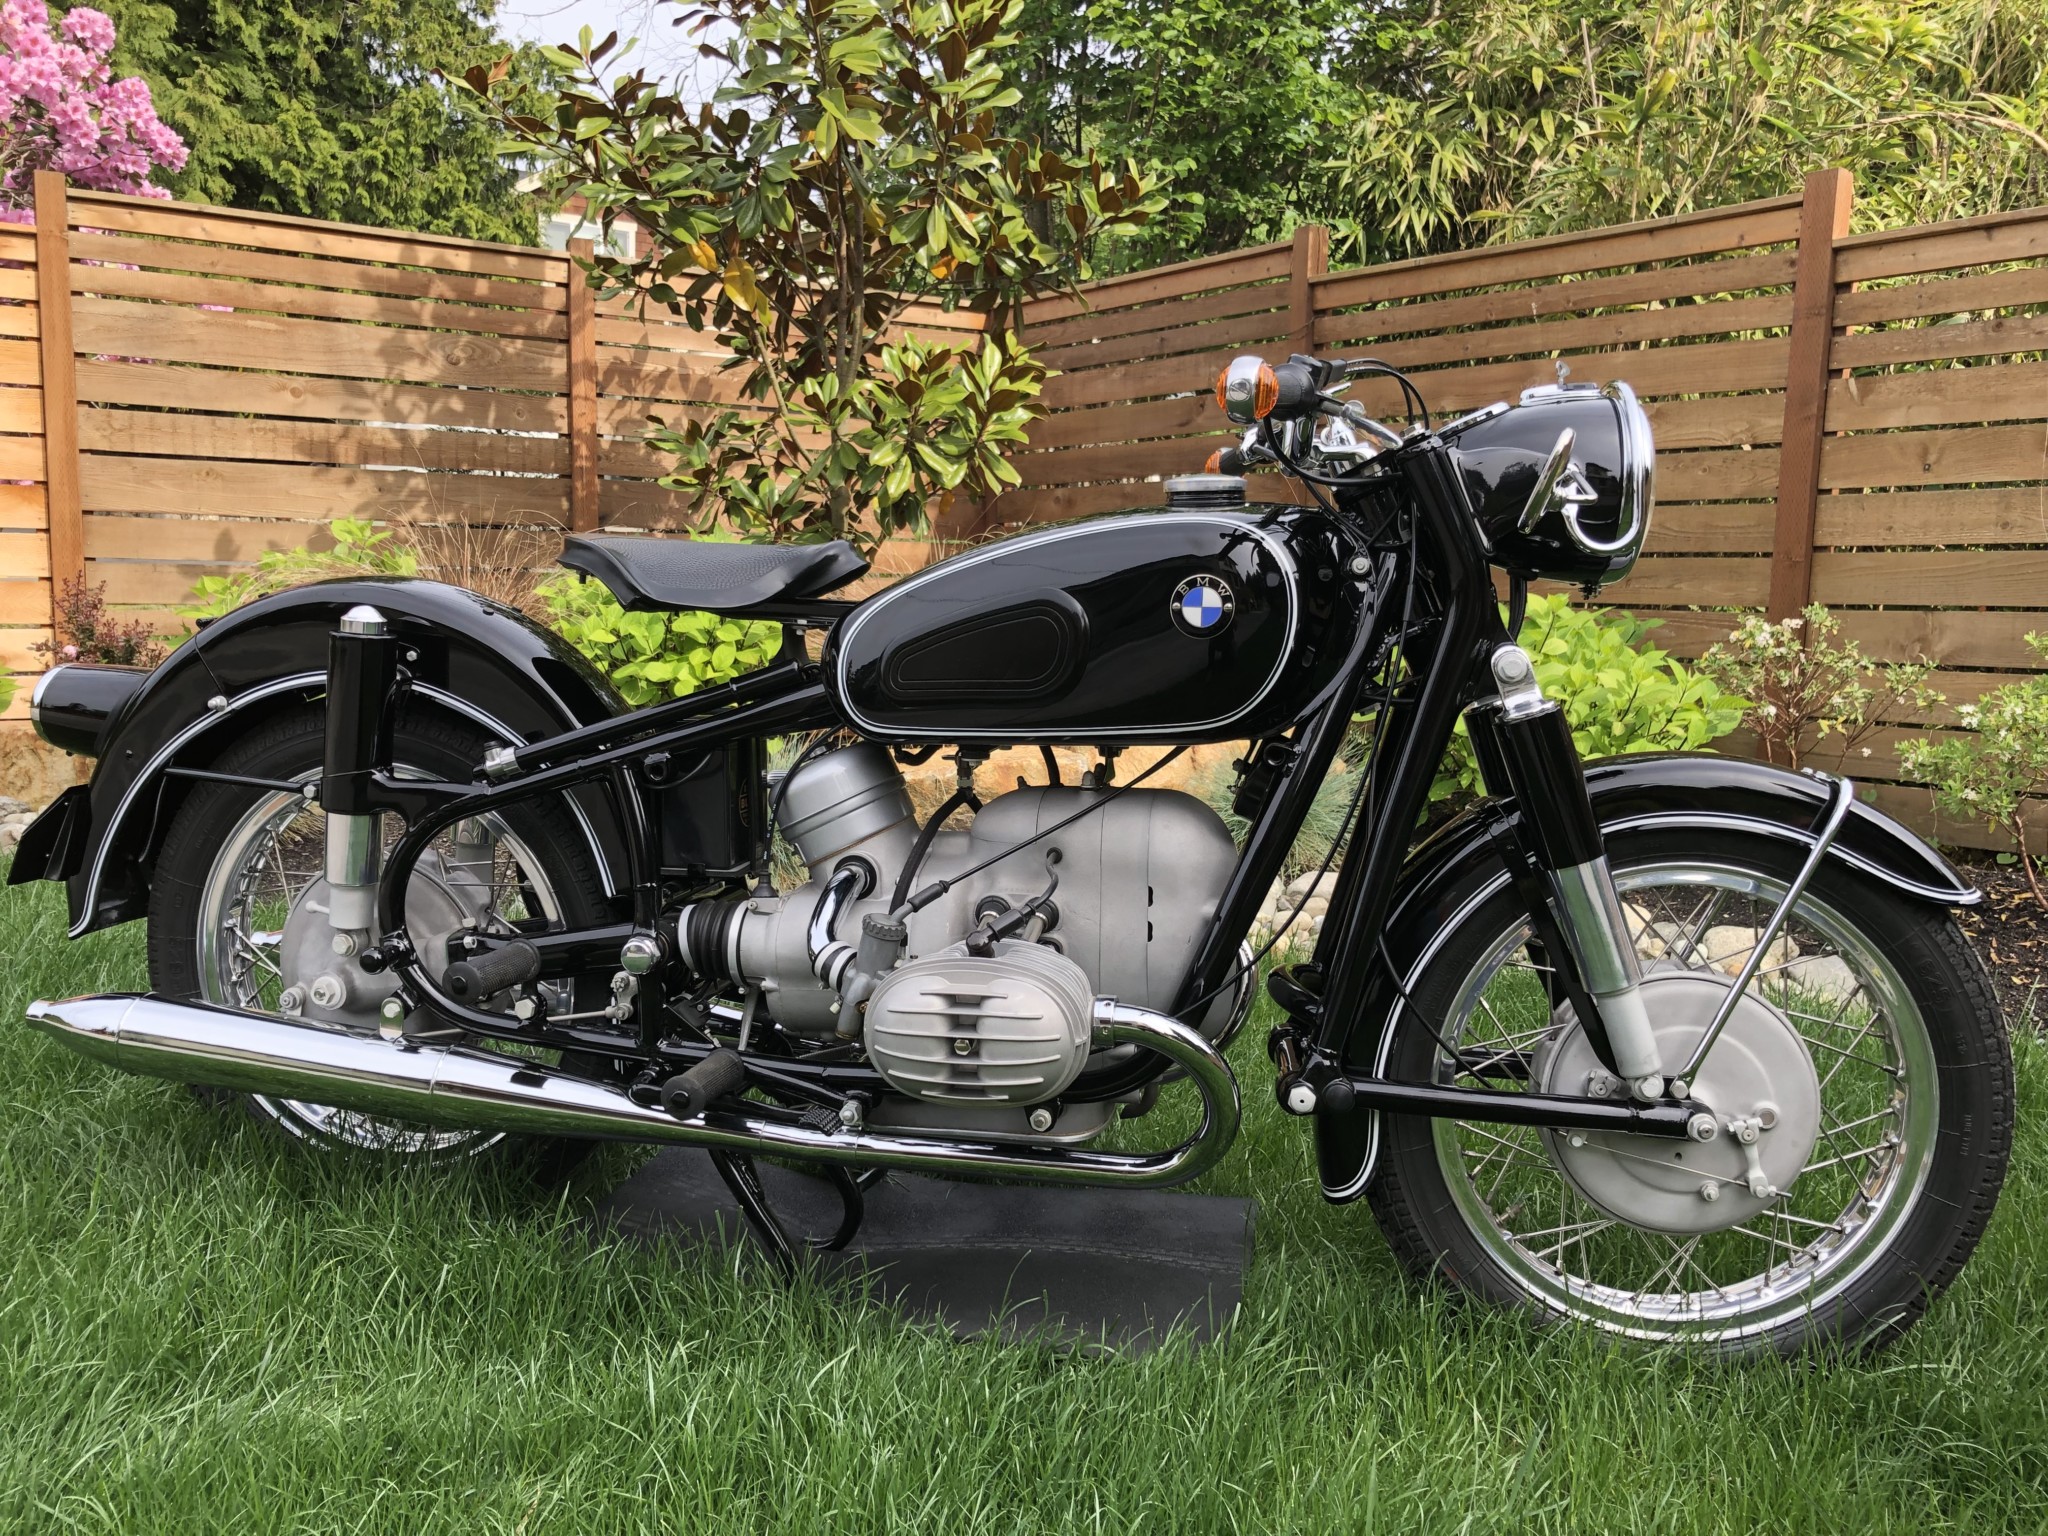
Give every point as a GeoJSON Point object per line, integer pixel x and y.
{"type": "Point", "coordinates": [1444, 654]}
{"type": "Point", "coordinates": [1666, 1117]}
{"type": "Point", "coordinates": [432, 808]}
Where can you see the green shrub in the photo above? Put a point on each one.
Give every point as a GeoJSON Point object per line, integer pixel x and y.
{"type": "Point", "coordinates": [1999, 763]}
{"type": "Point", "coordinates": [654, 656]}
{"type": "Point", "coordinates": [648, 656]}
{"type": "Point", "coordinates": [360, 549]}
{"type": "Point", "coordinates": [1619, 694]}
{"type": "Point", "coordinates": [88, 631]}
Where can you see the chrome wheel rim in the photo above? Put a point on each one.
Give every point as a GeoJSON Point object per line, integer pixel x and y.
{"type": "Point", "coordinates": [1879, 1121]}
{"type": "Point", "coordinates": [273, 853]}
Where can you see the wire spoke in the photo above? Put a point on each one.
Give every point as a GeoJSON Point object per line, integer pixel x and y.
{"type": "Point", "coordinates": [1860, 1036]}
{"type": "Point", "coordinates": [1871, 1152]}
{"type": "Point", "coordinates": [1822, 1045]}
{"type": "Point", "coordinates": [1770, 1241]}
{"type": "Point", "coordinates": [1574, 1236]}
{"type": "Point", "coordinates": [1710, 911]}
{"type": "Point", "coordinates": [1672, 1266]}
{"type": "Point", "coordinates": [1835, 1127]}
{"type": "Point", "coordinates": [1779, 1213]}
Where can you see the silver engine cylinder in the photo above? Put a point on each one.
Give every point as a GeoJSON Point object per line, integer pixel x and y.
{"type": "Point", "coordinates": [1006, 1028]}
{"type": "Point", "coordinates": [1139, 882]}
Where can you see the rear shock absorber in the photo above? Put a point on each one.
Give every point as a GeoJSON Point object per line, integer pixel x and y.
{"type": "Point", "coordinates": [1548, 782]}
{"type": "Point", "coordinates": [362, 663]}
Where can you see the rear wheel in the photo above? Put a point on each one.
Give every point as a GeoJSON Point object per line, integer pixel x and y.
{"type": "Point", "coordinates": [237, 913]}
{"type": "Point", "coordinates": [1867, 1119]}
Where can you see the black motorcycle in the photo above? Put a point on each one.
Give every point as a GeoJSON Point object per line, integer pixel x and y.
{"type": "Point", "coordinates": [1685, 1047]}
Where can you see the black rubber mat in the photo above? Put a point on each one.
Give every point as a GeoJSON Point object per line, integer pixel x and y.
{"type": "Point", "coordinates": [1082, 1267]}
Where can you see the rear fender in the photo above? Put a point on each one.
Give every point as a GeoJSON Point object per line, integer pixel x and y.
{"type": "Point", "coordinates": [478, 659]}
{"type": "Point", "coordinates": [1676, 790]}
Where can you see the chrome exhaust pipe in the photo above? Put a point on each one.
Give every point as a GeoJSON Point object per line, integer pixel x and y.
{"type": "Point", "coordinates": [463, 1088]}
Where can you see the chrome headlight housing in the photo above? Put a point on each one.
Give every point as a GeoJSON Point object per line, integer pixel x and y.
{"type": "Point", "coordinates": [1563, 483]}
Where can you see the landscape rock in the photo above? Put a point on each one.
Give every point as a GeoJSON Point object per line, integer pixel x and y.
{"type": "Point", "coordinates": [1727, 948]}
{"type": "Point", "coordinates": [1657, 940]}
{"type": "Point", "coordinates": [1308, 885]}
{"type": "Point", "coordinates": [1826, 976]}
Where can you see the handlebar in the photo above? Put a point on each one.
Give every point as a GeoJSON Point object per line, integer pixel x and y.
{"type": "Point", "coordinates": [1251, 391]}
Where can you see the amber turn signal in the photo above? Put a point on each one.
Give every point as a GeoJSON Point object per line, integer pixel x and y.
{"type": "Point", "coordinates": [1213, 465]}
{"type": "Point", "coordinates": [1248, 390]}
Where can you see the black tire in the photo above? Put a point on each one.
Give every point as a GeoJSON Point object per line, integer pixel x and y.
{"type": "Point", "coordinates": [1913, 1247]}
{"type": "Point", "coordinates": [288, 746]}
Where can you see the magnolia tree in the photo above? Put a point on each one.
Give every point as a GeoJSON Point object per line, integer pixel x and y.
{"type": "Point", "coordinates": [852, 165]}
{"type": "Point", "coordinates": [61, 109]}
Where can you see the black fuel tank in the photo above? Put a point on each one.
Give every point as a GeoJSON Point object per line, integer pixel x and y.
{"type": "Point", "coordinates": [1184, 626]}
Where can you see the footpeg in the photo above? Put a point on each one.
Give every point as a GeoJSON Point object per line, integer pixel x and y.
{"type": "Point", "coordinates": [692, 1092]}
{"type": "Point", "coordinates": [514, 965]}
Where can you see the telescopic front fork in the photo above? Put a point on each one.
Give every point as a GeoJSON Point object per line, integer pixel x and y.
{"type": "Point", "coordinates": [362, 667]}
{"type": "Point", "coordinates": [1527, 742]}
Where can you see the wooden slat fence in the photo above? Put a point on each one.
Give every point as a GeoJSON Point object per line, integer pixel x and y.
{"type": "Point", "coordinates": [24, 491]}
{"type": "Point", "coordinates": [1859, 420]}
{"type": "Point", "coordinates": [1931, 531]}
{"type": "Point", "coordinates": [240, 376]}
{"type": "Point", "coordinates": [1693, 311]}
{"type": "Point", "coordinates": [1862, 419]}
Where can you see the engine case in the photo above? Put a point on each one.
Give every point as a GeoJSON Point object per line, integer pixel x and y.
{"type": "Point", "coordinates": [1139, 882]}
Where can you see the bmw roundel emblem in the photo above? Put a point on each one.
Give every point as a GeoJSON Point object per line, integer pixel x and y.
{"type": "Point", "coordinates": [1203, 605]}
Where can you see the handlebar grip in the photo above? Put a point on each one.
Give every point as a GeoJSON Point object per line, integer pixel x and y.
{"type": "Point", "coordinates": [1296, 395]}
{"type": "Point", "coordinates": [691, 1092]}
{"type": "Point", "coordinates": [471, 981]}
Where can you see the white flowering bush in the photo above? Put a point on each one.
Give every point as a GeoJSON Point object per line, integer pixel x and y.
{"type": "Point", "coordinates": [1997, 765]}
{"type": "Point", "coordinates": [1805, 686]}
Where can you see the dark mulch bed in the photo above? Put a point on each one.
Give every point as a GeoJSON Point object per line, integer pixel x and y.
{"type": "Point", "coordinates": [2011, 932]}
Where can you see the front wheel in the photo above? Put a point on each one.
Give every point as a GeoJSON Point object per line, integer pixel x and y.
{"type": "Point", "coordinates": [1866, 1065]}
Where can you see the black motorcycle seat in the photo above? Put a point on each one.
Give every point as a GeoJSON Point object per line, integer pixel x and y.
{"type": "Point", "coordinates": [655, 574]}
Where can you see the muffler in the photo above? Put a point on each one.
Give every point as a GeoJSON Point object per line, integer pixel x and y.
{"type": "Point", "coordinates": [463, 1088]}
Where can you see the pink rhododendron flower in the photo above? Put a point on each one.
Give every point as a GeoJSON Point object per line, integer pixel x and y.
{"type": "Point", "coordinates": [62, 110]}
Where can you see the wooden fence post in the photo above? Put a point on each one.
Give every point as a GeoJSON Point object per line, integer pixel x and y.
{"type": "Point", "coordinates": [1823, 220]}
{"type": "Point", "coordinates": [1311, 260]}
{"type": "Point", "coordinates": [60, 386]}
{"type": "Point", "coordinates": [583, 487]}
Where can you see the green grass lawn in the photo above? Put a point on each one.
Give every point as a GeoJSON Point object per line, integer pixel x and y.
{"type": "Point", "coordinates": [201, 1332]}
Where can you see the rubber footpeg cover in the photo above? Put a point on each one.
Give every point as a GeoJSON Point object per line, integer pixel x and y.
{"type": "Point", "coordinates": [471, 981]}
{"type": "Point", "coordinates": [689, 1093]}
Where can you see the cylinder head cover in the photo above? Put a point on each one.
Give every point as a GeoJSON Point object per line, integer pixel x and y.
{"type": "Point", "coordinates": [1007, 1028]}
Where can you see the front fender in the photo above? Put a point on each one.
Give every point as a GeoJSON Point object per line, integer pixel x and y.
{"type": "Point", "coordinates": [1669, 789]}
{"type": "Point", "coordinates": [477, 658]}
